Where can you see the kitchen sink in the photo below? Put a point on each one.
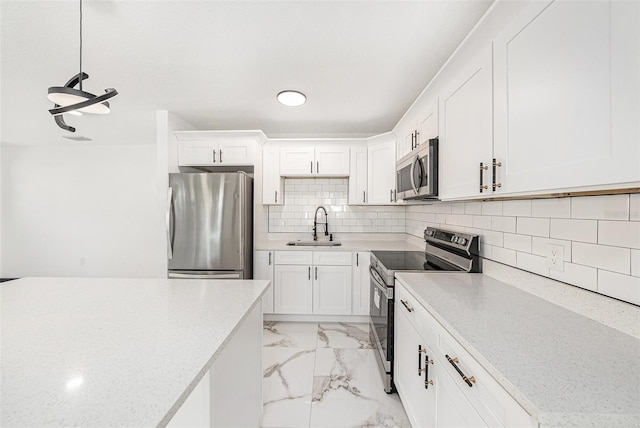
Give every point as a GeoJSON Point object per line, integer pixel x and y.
{"type": "Point", "coordinates": [314, 243]}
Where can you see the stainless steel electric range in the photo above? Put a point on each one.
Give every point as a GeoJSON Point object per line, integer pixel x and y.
{"type": "Point", "coordinates": [445, 251]}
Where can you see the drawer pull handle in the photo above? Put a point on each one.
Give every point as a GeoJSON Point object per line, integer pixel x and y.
{"type": "Point", "coordinates": [420, 352]}
{"type": "Point", "coordinates": [406, 305]}
{"type": "Point", "coordinates": [468, 380]}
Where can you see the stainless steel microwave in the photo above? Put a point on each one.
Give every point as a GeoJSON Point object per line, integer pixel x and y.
{"type": "Point", "coordinates": [417, 172]}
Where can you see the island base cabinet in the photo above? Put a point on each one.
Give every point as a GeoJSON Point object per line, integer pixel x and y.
{"type": "Point", "coordinates": [230, 393]}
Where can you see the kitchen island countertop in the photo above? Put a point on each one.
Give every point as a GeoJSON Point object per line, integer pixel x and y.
{"type": "Point", "coordinates": [112, 352]}
{"type": "Point", "coordinates": [562, 367]}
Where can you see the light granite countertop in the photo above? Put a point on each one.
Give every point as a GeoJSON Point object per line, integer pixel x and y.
{"type": "Point", "coordinates": [112, 352]}
{"type": "Point", "coordinates": [566, 370]}
{"type": "Point", "coordinates": [347, 245]}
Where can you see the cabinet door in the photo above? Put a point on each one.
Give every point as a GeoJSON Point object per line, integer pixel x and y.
{"type": "Point", "coordinates": [381, 173]}
{"type": "Point", "coordinates": [297, 161]}
{"type": "Point", "coordinates": [236, 151]}
{"type": "Point", "coordinates": [332, 161]}
{"type": "Point", "coordinates": [409, 358]}
{"type": "Point", "coordinates": [198, 153]}
{"type": "Point", "coordinates": [567, 96]}
{"type": "Point", "coordinates": [292, 291]}
{"type": "Point", "coordinates": [263, 269]}
{"type": "Point", "coordinates": [332, 290]}
{"type": "Point", "coordinates": [272, 192]}
{"type": "Point", "coordinates": [453, 409]}
{"type": "Point", "coordinates": [360, 283]}
{"type": "Point", "coordinates": [358, 176]}
{"type": "Point", "coordinates": [466, 128]}
{"type": "Point", "coordinates": [428, 122]}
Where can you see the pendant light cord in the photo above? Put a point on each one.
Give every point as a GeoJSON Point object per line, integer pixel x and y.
{"type": "Point", "coordinates": [80, 45]}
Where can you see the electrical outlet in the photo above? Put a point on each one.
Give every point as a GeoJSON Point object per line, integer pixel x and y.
{"type": "Point", "coordinates": [555, 257]}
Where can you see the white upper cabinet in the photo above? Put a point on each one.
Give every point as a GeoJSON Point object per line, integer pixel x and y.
{"type": "Point", "coordinates": [466, 127]}
{"type": "Point", "coordinates": [381, 173]}
{"type": "Point", "coordinates": [419, 126]}
{"type": "Point", "coordinates": [309, 161]}
{"type": "Point", "coordinates": [272, 183]}
{"type": "Point", "coordinates": [567, 89]}
{"type": "Point", "coordinates": [358, 176]}
{"type": "Point", "coordinates": [217, 148]}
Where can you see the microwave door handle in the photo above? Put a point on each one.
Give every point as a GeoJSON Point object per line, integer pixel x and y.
{"type": "Point", "coordinates": [412, 174]}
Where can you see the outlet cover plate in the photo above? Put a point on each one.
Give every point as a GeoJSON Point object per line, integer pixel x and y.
{"type": "Point", "coordinates": [555, 257]}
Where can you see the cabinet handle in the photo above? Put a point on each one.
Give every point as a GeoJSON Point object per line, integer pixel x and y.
{"type": "Point", "coordinates": [357, 259]}
{"type": "Point", "coordinates": [391, 195]}
{"type": "Point", "coordinates": [317, 167]}
{"type": "Point", "coordinates": [395, 196]}
{"type": "Point", "coordinates": [413, 140]}
{"type": "Point", "coordinates": [420, 352]}
{"type": "Point", "coordinates": [214, 156]}
{"type": "Point", "coordinates": [364, 196]}
{"type": "Point", "coordinates": [316, 272]}
{"type": "Point", "coordinates": [469, 380]}
{"type": "Point", "coordinates": [483, 168]}
{"type": "Point", "coordinates": [406, 305]}
{"type": "Point", "coordinates": [220, 156]}
{"type": "Point", "coordinates": [427, 382]}
{"type": "Point", "coordinates": [276, 200]}
{"type": "Point", "coordinates": [495, 165]}
{"type": "Point", "coordinates": [309, 277]}
{"type": "Point", "coordinates": [417, 143]}
{"type": "Point", "coordinates": [269, 258]}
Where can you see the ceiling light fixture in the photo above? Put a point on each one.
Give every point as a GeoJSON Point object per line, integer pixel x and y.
{"type": "Point", "coordinates": [291, 98]}
{"type": "Point", "coordinates": [67, 99]}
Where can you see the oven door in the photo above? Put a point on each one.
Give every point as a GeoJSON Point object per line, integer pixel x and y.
{"type": "Point", "coordinates": [381, 318]}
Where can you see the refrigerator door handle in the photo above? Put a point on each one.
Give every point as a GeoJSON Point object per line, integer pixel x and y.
{"type": "Point", "coordinates": [168, 225]}
{"type": "Point", "coordinates": [229, 275]}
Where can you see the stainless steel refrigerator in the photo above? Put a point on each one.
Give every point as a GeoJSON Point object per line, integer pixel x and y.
{"type": "Point", "coordinates": [210, 225]}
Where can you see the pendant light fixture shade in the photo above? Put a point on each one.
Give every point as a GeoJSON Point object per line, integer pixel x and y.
{"type": "Point", "coordinates": [68, 99]}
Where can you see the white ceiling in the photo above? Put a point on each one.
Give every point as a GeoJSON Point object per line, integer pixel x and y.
{"type": "Point", "coordinates": [220, 64]}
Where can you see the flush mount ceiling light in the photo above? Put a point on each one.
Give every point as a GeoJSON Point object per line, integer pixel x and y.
{"type": "Point", "coordinates": [67, 99]}
{"type": "Point", "coordinates": [291, 98]}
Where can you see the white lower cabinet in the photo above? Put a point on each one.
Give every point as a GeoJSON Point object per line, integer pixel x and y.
{"type": "Point", "coordinates": [313, 282]}
{"type": "Point", "coordinates": [422, 352]}
{"type": "Point", "coordinates": [263, 269]}
{"type": "Point", "coordinates": [360, 283]}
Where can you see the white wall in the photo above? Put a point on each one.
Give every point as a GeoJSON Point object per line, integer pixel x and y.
{"type": "Point", "coordinates": [78, 210]}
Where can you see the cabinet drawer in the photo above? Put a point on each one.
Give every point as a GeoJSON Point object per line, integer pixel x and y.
{"type": "Point", "coordinates": [423, 322]}
{"type": "Point", "coordinates": [294, 257]}
{"type": "Point", "coordinates": [335, 258]}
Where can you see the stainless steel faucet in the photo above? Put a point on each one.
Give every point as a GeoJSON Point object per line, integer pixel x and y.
{"type": "Point", "coordinates": [315, 223]}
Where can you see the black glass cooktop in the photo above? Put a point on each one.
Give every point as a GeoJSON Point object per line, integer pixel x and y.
{"type": "Point", "coordinates": [410, 260]}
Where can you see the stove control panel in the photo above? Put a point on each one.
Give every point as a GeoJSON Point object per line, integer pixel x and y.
{"type": "Point", "coordinates": [453, 239]}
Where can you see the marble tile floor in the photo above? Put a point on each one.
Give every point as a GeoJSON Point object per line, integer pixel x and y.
{"type": "Point", "coordinates": [324, 375]}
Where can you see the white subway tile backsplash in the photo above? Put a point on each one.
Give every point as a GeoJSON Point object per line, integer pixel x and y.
{"type": "Point", "coordinates": [492, 208]}
{"type": "Point", "coordinates": [517, 242]}
{"type": "Point", "coordinates": [533, 263]}
{"type": "Point", "coordinates": [504, 224]}
{"type": "Point", "coordinates": [601, 256]}
{"type": "Point", "coordinates": [519, 208]}
{"type": "Point", "coordinates": [492, 238]}
{"type": "Point", "coordinates": [634, 207]}
{"type": "Point", "coordinates": [540, 247]}
{"type": "Point", "coordinates": [457, 208]}
{"type": "Point", "coordinates": [622, 287]}
{"type": "Point", "coordinates": [619, 233]}
{"type": "Point", "coordinates": [552, 208]}
{"type": "Point", "coordinates": [582, 276]}
{"type": "Point", "coordinates": [635, 262]}
{"type": "Point", "coordinates": [504, 255]}
{"type": "Point", "coordinates": [473, 208]}
{"type": "Point", "coordinates": [533, 226]}
{"type": "Point", "coordinates": [575, 230]}
{"type": "Point", "coordinates": [482, 222]}
{"type": "Point", "coordinates": [609, 207]}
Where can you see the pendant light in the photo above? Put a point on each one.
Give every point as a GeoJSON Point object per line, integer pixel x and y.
{"type": "Point", "coordinates": [68, 99]}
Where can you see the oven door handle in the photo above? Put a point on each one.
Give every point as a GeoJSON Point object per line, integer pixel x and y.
{"type": "Point", "coordinates": [377, 279]}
